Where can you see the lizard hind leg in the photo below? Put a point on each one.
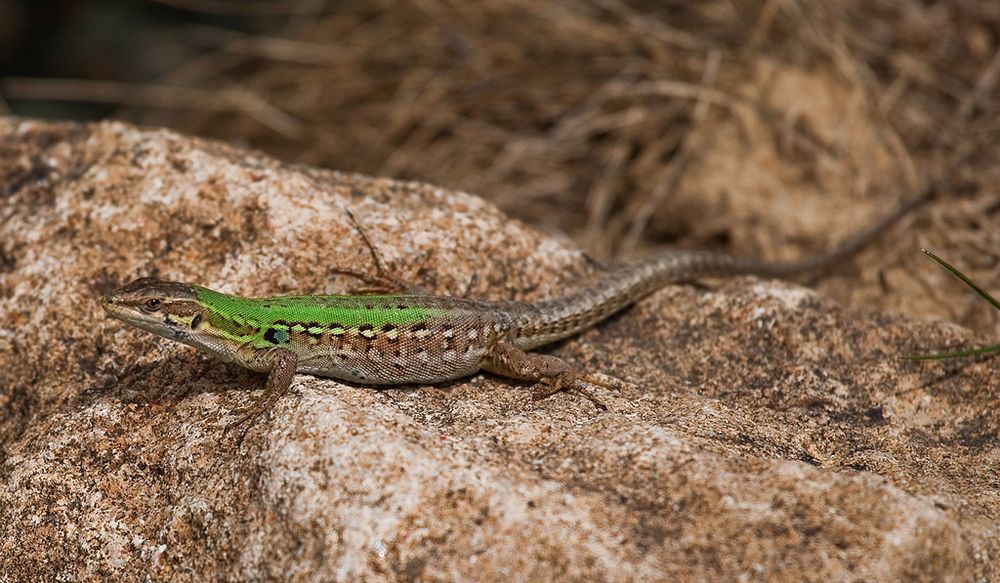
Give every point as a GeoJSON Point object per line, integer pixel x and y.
{"type": "Point", "coordinates": [552, 373]}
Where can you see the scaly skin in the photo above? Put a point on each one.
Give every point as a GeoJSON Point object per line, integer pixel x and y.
{"type": "Point", "coordinates": [411, 338]}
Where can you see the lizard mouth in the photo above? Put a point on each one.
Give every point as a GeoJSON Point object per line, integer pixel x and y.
{"type": "Point", "coordinates": [121, 311]}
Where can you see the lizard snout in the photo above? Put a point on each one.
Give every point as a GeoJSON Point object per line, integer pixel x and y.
{"type": "Point", "coordinates": [107, 301]}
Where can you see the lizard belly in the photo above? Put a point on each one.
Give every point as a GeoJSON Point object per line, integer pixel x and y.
{"type": "Point", "coordinates": [378, 368]}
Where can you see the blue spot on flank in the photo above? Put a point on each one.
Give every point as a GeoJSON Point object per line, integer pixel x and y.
{"type": "Point", "coordinates": [276, 336]}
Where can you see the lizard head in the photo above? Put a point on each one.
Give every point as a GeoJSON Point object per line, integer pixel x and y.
{"type": "Point", "coordinates": [167, 308]}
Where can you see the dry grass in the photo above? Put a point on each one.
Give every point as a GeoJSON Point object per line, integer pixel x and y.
{"type": "Point", "coordinates": [763, 127]}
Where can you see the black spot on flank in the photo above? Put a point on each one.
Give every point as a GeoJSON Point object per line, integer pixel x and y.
{"type": "Point", "coordinates": [365, 328]}
{"type": "Point", "coordinates": [196, 321]}
{"type": "Point", "coordinates": [445, 327]}
{"type": "Point", "coordinates": [388, 327]}
{"type": "Point", "coordinates": [282, 323]}
{"type": "Point", "coordinates": [369, 307]}
{"type": "Point", "coordinates": [402, 307]}
{"type": "Point", "coordinates": [418, 327]}
{"type": "Point", "coordinates": [398, 366]}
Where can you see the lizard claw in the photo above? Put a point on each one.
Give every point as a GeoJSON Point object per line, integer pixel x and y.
{"type": "Point", "coordinates": [249, 417]}
{"type": "Point", "coordinates": [246, 420]}
{"type": "Point", "coordinates": [567, 381]}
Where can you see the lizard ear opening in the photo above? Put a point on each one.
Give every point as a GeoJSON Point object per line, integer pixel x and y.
{"type": "Point", "coordinates": [195, 321]}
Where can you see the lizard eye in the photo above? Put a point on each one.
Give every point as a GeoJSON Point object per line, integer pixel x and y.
{"type": "Point", "coordinates": [152, 305]}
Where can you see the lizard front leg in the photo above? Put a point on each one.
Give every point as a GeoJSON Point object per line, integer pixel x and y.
{"type": "Point", "coordinates": [280, 364]}
{"type": "Point", "coordinates": [550, 371]}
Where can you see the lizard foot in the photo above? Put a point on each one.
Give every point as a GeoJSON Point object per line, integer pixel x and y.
{"type": "Point", "coordinates": [567, 381]}
{"type": "Point", "coordinates": [248, 417]}
{"type": "Point", "coordinates": [582, 385]}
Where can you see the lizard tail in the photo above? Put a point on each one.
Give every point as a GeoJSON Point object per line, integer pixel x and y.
{"type": "Point", "coordinates": [547, 321]}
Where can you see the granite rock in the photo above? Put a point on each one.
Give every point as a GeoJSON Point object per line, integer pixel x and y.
{"type": "Point", "coordinates": [766, 433]}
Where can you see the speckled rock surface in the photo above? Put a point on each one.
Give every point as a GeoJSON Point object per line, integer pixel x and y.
{"type": "Point", "coordinates": [769, 434]}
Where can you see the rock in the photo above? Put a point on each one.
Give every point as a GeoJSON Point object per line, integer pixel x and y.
{"type": "Point", "coordinates": [766, 433]}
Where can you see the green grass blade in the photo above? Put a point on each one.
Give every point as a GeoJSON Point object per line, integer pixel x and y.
{"type": "Point", "coordinates": [983, 293]}
{"type": "Point", "coordinates": [957, 354]}
{"type": "Point", "coordinates": [968, 282]}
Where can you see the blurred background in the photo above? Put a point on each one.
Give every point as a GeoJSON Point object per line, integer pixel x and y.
{"type": "Point", "coordinates": [762, 127]}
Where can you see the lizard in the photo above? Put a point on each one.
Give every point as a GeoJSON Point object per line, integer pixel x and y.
{"type": "Point", "coordinates": [413, 338]}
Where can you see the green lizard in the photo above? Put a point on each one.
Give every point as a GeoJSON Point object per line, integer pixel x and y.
{"type": "Point", "coordinates": [419, 339]}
